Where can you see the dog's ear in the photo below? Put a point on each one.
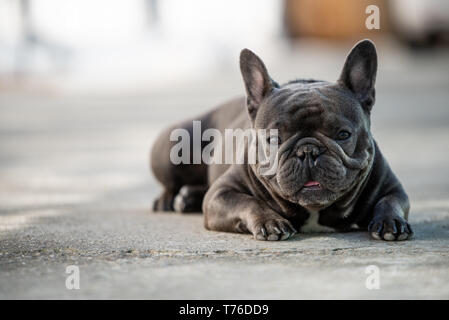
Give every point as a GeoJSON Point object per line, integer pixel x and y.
{"type": "Point", "coordinates": [359, 73]}
{"type": "Point", "coordinates": [258, 83]}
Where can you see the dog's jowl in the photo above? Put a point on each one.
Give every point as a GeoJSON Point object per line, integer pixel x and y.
{"type": "Point", "coordinates": [329, 172]}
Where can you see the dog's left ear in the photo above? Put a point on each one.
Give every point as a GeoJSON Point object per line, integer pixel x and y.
{"type": "Point", "coordinates": [258, 83]}
{"type": "Point", "coordinates": [359, 73]}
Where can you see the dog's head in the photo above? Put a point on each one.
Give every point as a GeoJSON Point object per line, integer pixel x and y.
{"type": "Point", "coordinates": [325, 145]}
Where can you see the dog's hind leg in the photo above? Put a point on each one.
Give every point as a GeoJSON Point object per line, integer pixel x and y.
{"type": "Point", "coordinates": [173, 177]}
{"type": "Point", "coordinates": [190, 198]}
{"type": "Point", "coordinates": [164, 202]}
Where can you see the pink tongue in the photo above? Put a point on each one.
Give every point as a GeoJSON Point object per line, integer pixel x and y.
{"type": "Point", "coordinates": [312, 183]}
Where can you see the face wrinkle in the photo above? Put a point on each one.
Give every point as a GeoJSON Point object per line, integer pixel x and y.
{"type": "Point", "coordinates": [295, 170]}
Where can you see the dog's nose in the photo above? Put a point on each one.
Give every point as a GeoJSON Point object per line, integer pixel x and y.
{"type": "Point", "coordinates": [309, 150]}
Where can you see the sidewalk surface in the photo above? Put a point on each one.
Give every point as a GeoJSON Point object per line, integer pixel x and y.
{"type": "Point", "coordinates": [75, 189]}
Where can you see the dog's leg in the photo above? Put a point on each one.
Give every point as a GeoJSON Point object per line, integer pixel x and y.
{"type": "Point", "coordinates": [174, 176]}
{"type": "Point", "coordinates": [229, 210]}
{"type": "Point", "coordinates": [390, 218]}
{"type": "Point", "coordinates": [164, 202]}
{"type": "Point", "coordinates": [190, 198]}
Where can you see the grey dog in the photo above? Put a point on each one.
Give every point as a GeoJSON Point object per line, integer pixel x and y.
{"type": "Point", "coordinates": [331, 175]}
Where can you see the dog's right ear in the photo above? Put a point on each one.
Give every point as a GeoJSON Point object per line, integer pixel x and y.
{"type": "Point", "coordinates": [359, 73]}
{"type": "Point", "coordinates": [258, 83]}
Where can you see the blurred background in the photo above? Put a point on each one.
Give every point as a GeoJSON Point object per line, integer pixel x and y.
{"type": "Point", "coordinates": [116, 46]}
{"type": "Point", "coordinates": [85, 85]}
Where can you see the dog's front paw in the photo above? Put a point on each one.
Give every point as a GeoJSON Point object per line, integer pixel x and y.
{"type": "Point", "coordinates": [273, 229]}
{"type": "Point", "coordinates": [390, 228]}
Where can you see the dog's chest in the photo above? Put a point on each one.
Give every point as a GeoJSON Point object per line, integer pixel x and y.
{"type": "Point", "coordinates": [312, 224]}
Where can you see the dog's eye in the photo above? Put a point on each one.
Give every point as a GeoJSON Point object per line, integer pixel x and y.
{"type": "Point", "coordinates": [343, 135]}
{"type": "Point", "coordinates": [274, 140]}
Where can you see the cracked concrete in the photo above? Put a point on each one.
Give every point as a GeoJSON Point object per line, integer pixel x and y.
{"type": "Point", "coordinates": [75, 190]}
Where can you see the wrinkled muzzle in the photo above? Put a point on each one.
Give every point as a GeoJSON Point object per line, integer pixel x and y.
{"type": "Point", "coordinates": [317, 159]}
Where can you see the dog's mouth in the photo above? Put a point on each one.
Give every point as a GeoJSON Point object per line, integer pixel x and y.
{"type": "Point", "coordinates": [311, 186]}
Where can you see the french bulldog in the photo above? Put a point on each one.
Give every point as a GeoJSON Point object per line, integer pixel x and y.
{"type": "Point", "coordinates": [330, 177]}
